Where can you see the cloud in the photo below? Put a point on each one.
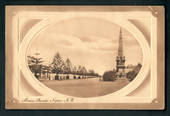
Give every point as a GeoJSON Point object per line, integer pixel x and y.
{"type": "Point", "coordinates": [65, 42]}
{"type": "Point", "coordinates": [91, 38]}
{"type": "Point", "coordinates": [99, 43]}
{"type": "Point", "coordinates": [85, 39]}
{"type": "Point", "coordinates": [101, 46]}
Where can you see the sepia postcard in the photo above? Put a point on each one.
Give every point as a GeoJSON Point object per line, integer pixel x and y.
{"type": "Point", "coordinates": [85, 57]}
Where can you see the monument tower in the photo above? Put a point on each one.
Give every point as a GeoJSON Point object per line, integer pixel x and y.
{"type": "Point", "coordinates": [120, 59]}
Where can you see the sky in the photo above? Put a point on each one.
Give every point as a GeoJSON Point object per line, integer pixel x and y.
{"type": "Point", "coordinates": [89, 42]}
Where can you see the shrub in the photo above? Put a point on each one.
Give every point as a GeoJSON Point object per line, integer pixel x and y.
{"type": "Point", "coordinates": [132, 74]}
{"type": "Point", "coordinates": [109, 76]}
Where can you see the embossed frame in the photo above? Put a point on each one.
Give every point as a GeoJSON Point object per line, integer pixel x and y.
{"type": "Point", "coordinates": [156, 15]}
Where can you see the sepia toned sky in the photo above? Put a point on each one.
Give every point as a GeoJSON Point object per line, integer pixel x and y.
{"type": "Point", "coordinates": [89, 42]}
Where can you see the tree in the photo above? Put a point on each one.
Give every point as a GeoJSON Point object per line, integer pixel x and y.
{"type": "Point", "coordinates": [132, 74]}
{"type": "Point", "coordinates": [74, 71]}
{"type": "Point", "coordinates": [109, 76]}
{"type": "Point", "coordinates": [35, 65]}
{"type": "Point", "coordinates": [46, 70]}
{"type": "Point", "coordinates": [58, 64]}
{"type": "Point", "coordinates": [68, 66]}
{"type": "Point", "coordinates": [91, 72]}
{"type": "Point", "coordinates": [79, 70]}
{"type": "Point", "coordinates": [83, 71]}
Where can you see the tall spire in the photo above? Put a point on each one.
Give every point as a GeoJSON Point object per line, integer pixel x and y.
{"type": "Point", "coordinates": [120, 49]}
{"type": "Point", "coordinates": [120, 59]}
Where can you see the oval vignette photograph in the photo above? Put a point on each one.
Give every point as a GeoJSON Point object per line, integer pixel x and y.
{"type": "Point", "coordinates": [84, 57]}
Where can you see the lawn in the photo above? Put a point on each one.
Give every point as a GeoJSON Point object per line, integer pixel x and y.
{"type": "Point", "coordinates": [91, 87]}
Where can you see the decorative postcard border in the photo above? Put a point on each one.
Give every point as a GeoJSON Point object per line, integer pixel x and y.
{"type": "Point", "coordinates": [16, 50]}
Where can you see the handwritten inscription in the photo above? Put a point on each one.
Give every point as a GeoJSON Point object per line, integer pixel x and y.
{"type": "Point", "coordinates": [47, 100]}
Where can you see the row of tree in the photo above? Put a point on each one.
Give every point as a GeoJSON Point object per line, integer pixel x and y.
{"type": "Point", "coordinates": [58, 66]}
{"type": "Point", "coordinates": [111, 75]}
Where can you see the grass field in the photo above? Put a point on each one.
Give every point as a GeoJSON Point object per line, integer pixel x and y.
{"type": "Point", "coordinates": [91, 87]}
